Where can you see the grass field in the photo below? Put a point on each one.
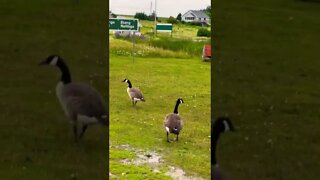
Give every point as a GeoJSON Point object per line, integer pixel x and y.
{"type": "Point", "coordinates": [266, 78]}
{"type": "Point", "coordinates": [165, 69]}
{"type": "Point", "coordinates": [36, 138]}
{"type": "Point", "coordinates": [162, 81]}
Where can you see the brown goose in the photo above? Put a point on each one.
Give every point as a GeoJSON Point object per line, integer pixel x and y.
{"type": "Point", "coordinates": [222, 124]}
{"type": "Point", "coordinates": [173, 122]}
{"type": "Point", "coordinates": [134, 93]}
{"type": "Point", "coordinates": [80, 102]}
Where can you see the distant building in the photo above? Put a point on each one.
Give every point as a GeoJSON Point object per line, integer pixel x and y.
{"type": "Point", "coordinates": [196, 16]}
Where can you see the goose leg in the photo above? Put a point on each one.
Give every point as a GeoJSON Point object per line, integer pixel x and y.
{"type": "Point", "coordinates": [168, 137]}
{"type": "Point", "coordinates": [177, 137]}
{"type": "Point", "coordinates": [84, 128]}
{"type": "Point", "coordinates": [75, 132]}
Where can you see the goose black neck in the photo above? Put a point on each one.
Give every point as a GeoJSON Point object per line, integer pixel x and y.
{"type": "Point", "coordinates": [176, 107]}
{"type": "Point", "coordinates": [214, 142]}
{"type": "Point", "coordinates": [65, 77]}
{"type": "Point", "coordinates": [129, 84]}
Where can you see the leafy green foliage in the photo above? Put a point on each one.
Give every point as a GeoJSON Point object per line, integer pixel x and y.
{"type": "Point", "coordinates": [172, 20]}
{"type": "Point", "coordinates": [204, 32]}
{"type": "Point", "coordinates": [141, 16]}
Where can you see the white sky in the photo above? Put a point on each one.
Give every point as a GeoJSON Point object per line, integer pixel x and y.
{"type": "Point", "coordinates": [165, 8]}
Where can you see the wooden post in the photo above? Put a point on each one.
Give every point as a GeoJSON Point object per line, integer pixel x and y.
{"type": "Point", "coordinates": [132, 46]}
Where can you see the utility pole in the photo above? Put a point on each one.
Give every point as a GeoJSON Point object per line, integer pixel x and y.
{"type": "Point", "coordinates": [155, 17]}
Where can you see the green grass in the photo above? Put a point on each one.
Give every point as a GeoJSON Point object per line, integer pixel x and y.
{"type": "Point", "coordinates": [194, 49]}
{"type": "Point", "coordinates": [161, 45]}
{"type": "Point", "coordinates": [36, 139]}
{"type": "Point", "coordinates": [123, 47]}
{"type": "Point", "coordinates": [162, 81]}
{"type": "Point", "coordinates": [265, 77]}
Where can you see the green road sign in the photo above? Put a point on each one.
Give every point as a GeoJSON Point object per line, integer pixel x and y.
{"type": "Point", "coordinates": [123, 24]}
{"type": "Point", "coordinates": [164, 27]}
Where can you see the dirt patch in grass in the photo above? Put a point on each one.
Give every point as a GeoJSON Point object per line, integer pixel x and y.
{"type": "Point", "coordinates": [155, 162]}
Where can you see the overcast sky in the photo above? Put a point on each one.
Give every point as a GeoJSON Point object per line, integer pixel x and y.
{"type": "Point", "coordinates": [165, 8]}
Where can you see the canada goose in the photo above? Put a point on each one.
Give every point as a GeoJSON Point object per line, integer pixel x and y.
{"type": "Point", "coordinates": [134, 93]}
{"type": "Point", "coordinates": [222, 124]}
{"type": "Point", "coordinates": [80, 102]}
{"type": "Point", "coordinates": [173, 122]}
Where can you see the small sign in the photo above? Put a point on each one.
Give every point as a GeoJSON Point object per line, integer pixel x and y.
{"type": "Point", "coordinates": [123, 24]}
{"type": "Point", "coordinates": [164, 27]}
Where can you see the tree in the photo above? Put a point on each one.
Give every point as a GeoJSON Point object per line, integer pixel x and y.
{"type": "Point", "coordinates": [172, 20]}
{"type": "Point", "coordinates": [208, 11]}
{"type": "Point", "coordinates": [179, 17]}
{"type": "Point", "coordinates": [141, 16]}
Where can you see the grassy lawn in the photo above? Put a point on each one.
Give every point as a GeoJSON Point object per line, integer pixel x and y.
{"type": "Point", "coordinates": [265, 78]}
{"type": "Point", "coordinates": [36, 138]}
{"type": "Point", "coordinates": [162, 81]}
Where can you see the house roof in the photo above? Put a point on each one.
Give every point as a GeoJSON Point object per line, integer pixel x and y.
{"type": "Point", "coordinates": [199, 14]}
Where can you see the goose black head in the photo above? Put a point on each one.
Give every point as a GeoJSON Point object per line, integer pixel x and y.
{"type": "Point", "coordinates": [51, 60]}
{"type": "Point", "coordinates": [223, 124]}
{"type": "Point", "coordinates": [55, 60]}
{"type": "Point", "coordinates": [125, 80]}
{"type": "Point", "coordinates": [180, 101]}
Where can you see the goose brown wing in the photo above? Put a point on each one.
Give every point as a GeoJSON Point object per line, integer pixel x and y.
{"type": "Point", "coordinates": [135, 93]}
{"type": "Point", "coordinates": [173, 121]}
{"type": "Point", "coordinates": [83, 99]}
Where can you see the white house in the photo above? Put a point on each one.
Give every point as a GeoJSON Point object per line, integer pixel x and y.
{"type": "Point", "coordinates": [195, 16]}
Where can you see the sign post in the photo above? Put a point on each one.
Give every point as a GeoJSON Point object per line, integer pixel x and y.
{"type": "Point", "coordinates": [164, 28]}
{"type": "Point", "coordinates": [130, 25]}
{"type": "Point", "coordinates": [132, 46]}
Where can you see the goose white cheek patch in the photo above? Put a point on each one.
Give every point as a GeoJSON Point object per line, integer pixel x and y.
{"type": "Point", "coordinates": [54, 61]}
{"type": "Point", "coordinates": [226, 126]}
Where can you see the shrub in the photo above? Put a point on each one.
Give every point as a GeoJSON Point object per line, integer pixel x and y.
{"type": "Point", "coordinates": [172, 20]}
{"type": "Point", "coordinates": [141, 16]}
{"type": "Point", "coordinates": [204, 32]}
{"type": "Point", "coordinates": [195, 23]}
